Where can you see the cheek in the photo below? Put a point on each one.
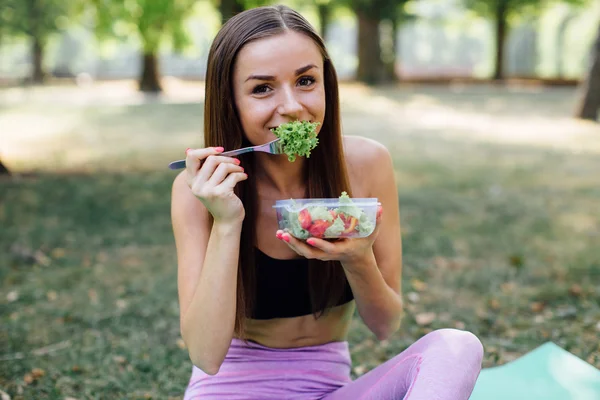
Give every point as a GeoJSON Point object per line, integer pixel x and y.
{"type": "Point", "coordinates": [253, 114]}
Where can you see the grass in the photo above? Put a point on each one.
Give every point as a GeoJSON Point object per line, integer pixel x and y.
{"type": "Point", "coordinates": [499, 194]}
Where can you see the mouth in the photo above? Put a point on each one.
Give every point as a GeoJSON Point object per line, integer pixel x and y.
{"type": "Point", "coordinates": [276, 126]}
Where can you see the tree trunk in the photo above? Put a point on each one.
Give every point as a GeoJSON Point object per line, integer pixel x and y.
{"type": "Point", "coordinates": [228, 8]}
{"type": "Point", "coordinates": [390, 52]}
{"type": "Point", "coordinates": [3, 169]}
{"type": "Point", "coordinates": [501, 34]}
{"type": "Point", "coordinates": [150, 81]}
{"type": "Point", "coordinates": [370, 64]}
{"type": "Point", "coordinates": [37, 75]}
{"type": "Point", "coordinates": [324, 11]}
{"type": "Point", "coordinates": [590, 101]}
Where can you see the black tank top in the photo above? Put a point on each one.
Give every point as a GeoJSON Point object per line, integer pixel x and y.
{"type": "Point", "coordinates": [282, 288]}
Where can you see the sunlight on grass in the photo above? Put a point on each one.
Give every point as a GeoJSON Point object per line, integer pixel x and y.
{"type": "Point", "coordinates": [500, 226]}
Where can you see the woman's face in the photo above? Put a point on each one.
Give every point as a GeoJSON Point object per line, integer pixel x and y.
{"type": "Point", "coordinates": [277, 80]}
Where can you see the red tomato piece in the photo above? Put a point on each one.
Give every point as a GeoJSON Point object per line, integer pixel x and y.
{"type": "Point", "coordinates": [304, 219]}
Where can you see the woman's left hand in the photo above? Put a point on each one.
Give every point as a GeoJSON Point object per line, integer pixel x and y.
{"type": "Point", "coordinates": [343, 250]}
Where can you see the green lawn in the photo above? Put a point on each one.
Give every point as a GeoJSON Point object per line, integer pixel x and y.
{"type": "Point", "coordinates": [499, 199]}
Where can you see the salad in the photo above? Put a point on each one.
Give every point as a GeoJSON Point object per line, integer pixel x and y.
{"type": "Point", "coordinates": [298, 138]}
{"type": "Point", "coordinates": [344, 220]}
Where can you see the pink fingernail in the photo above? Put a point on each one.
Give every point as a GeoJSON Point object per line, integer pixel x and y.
{"type": "Point", "coordinates": [219, 149]}
{"type": "Point", "coordinates": [237, 161]}
{"type": "Point", "coordinates": [187, 150]}
{"type": "Point", "coordinates": [286, 238]}
{"type": "Point", "coordinates": [311, 242]}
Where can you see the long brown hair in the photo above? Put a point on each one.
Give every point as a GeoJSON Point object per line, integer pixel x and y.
{"type": "Point", "coordinates": [325, 171]}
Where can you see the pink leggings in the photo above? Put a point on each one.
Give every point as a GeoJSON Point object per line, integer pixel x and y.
{"type": "Point", "coordinates": [442, 365]}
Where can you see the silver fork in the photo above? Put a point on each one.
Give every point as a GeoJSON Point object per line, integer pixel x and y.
{"type": "Point", "coordinates": [273, 147]}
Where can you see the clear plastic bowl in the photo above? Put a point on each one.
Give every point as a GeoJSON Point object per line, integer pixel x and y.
{"type": "Point", "coordinates": [327, 218]}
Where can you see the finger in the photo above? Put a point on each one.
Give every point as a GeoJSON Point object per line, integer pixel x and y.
{"type": "Point", "coordinates": [325, 245]}
{"type": "Point", "coordinates": [232, 180]}
{"type": "Point", "coordinates": [222, 171]}
{"type": "Point", "coordinates": [302, 248]}
{"type": "Point", "coordinates": [195, 157]}
{"type": "Point", "coordinates": [211, 164]}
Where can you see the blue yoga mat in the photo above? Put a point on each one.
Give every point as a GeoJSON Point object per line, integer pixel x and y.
{"type": "Point", "coordinates": [546, 373]}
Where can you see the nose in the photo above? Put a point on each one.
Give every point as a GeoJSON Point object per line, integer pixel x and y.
{"type": "Point", "coordinates": [290, 106]}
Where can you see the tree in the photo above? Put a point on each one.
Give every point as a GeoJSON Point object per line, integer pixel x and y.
{"type": "Point", "coordinates": [501, 12]}
{"type": "Point", "coordinates": [153, 22]}
{"type": "Point", "coordinates": [3, 169]}
{"type": "Point", "coordinates": [228, 8]}
{"type": "Point", "coordinates": [590, 101]}
{"type": "Point", "coordinates": [373, 67]}
{"type": "Point", "coordinates": [36, 20]}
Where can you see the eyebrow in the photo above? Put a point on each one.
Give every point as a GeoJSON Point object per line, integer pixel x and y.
{"type": "Point", "coordinates": [272, 78]}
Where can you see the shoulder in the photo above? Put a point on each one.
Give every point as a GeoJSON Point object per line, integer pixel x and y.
{"type": "Point", "coordinates": [367, 159]}
{"type": "Point", "coordinates": [363, 149]}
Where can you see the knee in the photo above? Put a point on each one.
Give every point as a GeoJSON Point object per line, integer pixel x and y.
{"type": "Point", "coordinates": [457, 344]}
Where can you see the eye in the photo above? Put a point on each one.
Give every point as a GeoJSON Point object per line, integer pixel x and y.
{"type": "Point", "coordinates": [306, 81]}
{"type": "Point", "coordinates": [261, 89]}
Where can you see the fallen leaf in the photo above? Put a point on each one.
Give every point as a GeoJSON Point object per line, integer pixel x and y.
{"type": "Point", "coordinates": [425, 318]}
{"type": "Point", "coordinates": [121, 304]}
{"type": "Point", "coordinates": [508, 287]}
{"type": "Point", "coordinates": [28, 379]}
{"type": "Point", "coordinates": [37, 373]}
{"type": "Point", "coordinates": [58, 253]}
{"type": "Point", "coordinates": [494, 304]}
{"type": "Point", "coordinates": [575, 290]}
{"type": "Point", "coordinates": [12, 296]}
{"type": "Point", "coordinates": [51, 295]}
{"type": "Point", "coordinates": [418, 285]}
{"type": "Point", "coordinates": [360, 369]}
{"type": "Point", "coordinates": [413, 297]}
{"type": "Point", "coordinates": [537, 306]}
{"type": "Point", "coordinates": [459, 325]}
{"type": "Point", "coordinates": [119, 359]}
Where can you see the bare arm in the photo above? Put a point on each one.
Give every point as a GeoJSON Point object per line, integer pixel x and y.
{"type": "Point", "coordinates": [372, 265]}
{"type": "Point", "coordinates": [375, 279]}
{"type": "Point", "coordinates": [207, 258]}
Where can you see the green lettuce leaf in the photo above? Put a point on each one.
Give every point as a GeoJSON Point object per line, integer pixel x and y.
{"type": "Point", "coordinates": [298, 138]}
{"type": "Point", "coordinates": [348, 208]}
{"type": "Point", "coordinates": [320, 212]}
{"type": "Point", "coordinates": [336, 229]}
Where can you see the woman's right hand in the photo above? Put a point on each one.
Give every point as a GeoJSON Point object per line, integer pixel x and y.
{"type": "Point", "coordinates": [211, 178]}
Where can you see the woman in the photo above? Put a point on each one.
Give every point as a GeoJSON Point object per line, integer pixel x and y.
{"type": "Point", "coordinates": [264, 315]}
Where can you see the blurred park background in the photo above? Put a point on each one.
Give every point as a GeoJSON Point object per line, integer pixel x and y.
{"type": "Point", "coordinates": [489, 108]}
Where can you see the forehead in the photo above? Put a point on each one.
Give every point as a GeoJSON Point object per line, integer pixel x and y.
{"type": "Point", "coordinates": [279, 53]}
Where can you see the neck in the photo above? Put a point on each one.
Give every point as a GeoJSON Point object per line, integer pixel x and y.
{"type": "Point", "coordinates": [279, 178]}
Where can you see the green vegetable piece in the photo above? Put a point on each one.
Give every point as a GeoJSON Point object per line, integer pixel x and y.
{"type": "Point", "coordinates": [336, 229]}
{"type": "Point", "coordinates": [298, 138]}
{"type": "Point", "coordinates": [364, 225]}
{"type": "Point", "coordinates": [320, 212]}
{"type": "Point", "coordinates": [293, 225]}
{"type": "Point", "coordinates": [348, 208]}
